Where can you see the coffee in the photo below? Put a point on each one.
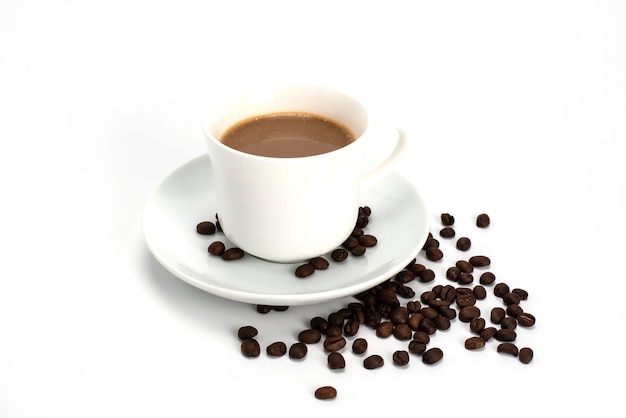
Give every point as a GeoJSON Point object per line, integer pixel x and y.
{"type": "Point", "coordinates": [287, 135]}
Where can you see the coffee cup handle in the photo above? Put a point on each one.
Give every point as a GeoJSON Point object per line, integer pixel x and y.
{"type": "Point", "coordinates": [375, 175]}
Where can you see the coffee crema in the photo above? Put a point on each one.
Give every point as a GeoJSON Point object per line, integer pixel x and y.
{"type": "Point", "coordinates": [287, 135]}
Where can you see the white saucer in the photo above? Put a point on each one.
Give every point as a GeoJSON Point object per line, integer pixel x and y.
{"type": "Point", "coordinates": [399, 220]}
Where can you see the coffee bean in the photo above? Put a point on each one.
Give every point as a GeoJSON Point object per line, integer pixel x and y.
{"type": "Point", "coordinates": [405, 276]}
{"type": "Point", "coordinates": [477, 325]}
{"type": "Point", "coordinates": [432, 356]}
{"type": "Point", "coordinates": [421, 336]}
{"type": "Point", "coordinates": [373, 362]}
{"type": "Point", "coordinates": [442, 323]}
{"type": "Point", "coordinates": [482, 220]}
{"type": "Point", "coordinates": [247, 331]}
{"type": "Point", "coordinates": [417, 347]}
{"type": "Point", "coordinates": [336, 361]}
{"type": "Point", "coordinates": [263, 309]}
{"type": "Point", "coordinates": [277, 349]}
{"type": "Point", "coordinates": [415, 321]}
{"type": "Point", "coordinates": [402, 332]}
{"type": "Point", "coordinates": [405, 292]}
{"type": "Point", "coordinates": [526, 355]}
{"type": "Point", "coordinates": [216, 248]}
{"type": "Point", "coordinates": [304, 270]}
{"type": "Point", "coordinates": [434, 254]}
{"type": "Point", "coordinates": [325, 393]}
{"type": "Point", "coordinates": [250, 347]}
{"type": "Point", "coordinates": [413, 306]}
{"type": "Point", "coordinates": [351, 328]}
{"type": "Point", "coordinates": [365, 210]}
{"type": "Point", "coordinates": [511, 298]}
{"type": "Point", "coordinates": [384, 329]}
{"type": "Point", "coordinates": [463, 244]}
{"type": "Point", "coordinates": [474, 343]}
{"type": "Point", "coordinates": [497, 315]}
{"type": "Point", "coordinates": [334, 343]}
{"type": "Point", "coordinates": [400, 357]}
{"type": "Point", "coordinates": [399, 315]}
{"type": "Point", "coordinates": [387, 297]}
{"type": "Point", "coordinates": [465, 278]}
{"type": "Point", "coordinates": [350, 243]}
{"type": "Point", "coordinates": [465, 300]}
{"type": "Point", "coordinates": [508, 323]}
{"type": "Point", "coordinates": [464, 266]}
{"type": "Point", "coordinates": [487, 333]}
{"type": "Point", "coordinates": [525, 319]}
{"type": "Point", "coordinates": [426, 275]}
{"type": "Point", "coordinates": [205, 228]}
{"type": "Point", "coordinates": [359, 346]}
{"type": "Point", "coordinates": [479, 292]}
{"type": "Point", "coordinates": [514, 310]}
{"type": "Point", "coordinates": [487, 278]}
{"type": "Point", "coordinates": [319, 263]}
{"type": "Point", "coordinates": [501, 289]}
{"type": "Point", "coordinates": [523, 295]}
{"type": "Point", "coordinates": [507, 348]}
{"type": "Point", "coordinates": [310, 336]}
{"type": "Point", "coordinates": [428, 326]}
{"type": "Point", "coordinates": [480, 261]}
{"type": "Point", "coordinates": [447, 219]}
{"type": "Point", "coordinates": [505, 335]}
{"type": "Point", "coordinates": [430, 243]}
{"type": "Point", "coordinates": [447, 232]}
{"type": "Point", "coordinates": [453, 274]}
{"type": "Point", "coordinates": [448, 312]}
{"type": "Point", "coordinates": [298, 350]}
{"type": "Point", "coordinates": [467, 313]}
{"type": "Point", "coordinates": [232, 254]}
{"type": "Point", "coordinates": [367, 240]}
{"type": "Point", "coordinates": [319, 323]}
{"type": "Point", "coordinates": [358, 251]}
{"type": "Point", "coordinates": [339, 255]}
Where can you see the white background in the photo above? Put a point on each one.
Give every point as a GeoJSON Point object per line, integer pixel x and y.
{"type": "Point", "coordinates": [516, 109]}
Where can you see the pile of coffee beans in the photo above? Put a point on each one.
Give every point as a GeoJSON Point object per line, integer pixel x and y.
{"type": "Point", "coordinates": [393, 308]}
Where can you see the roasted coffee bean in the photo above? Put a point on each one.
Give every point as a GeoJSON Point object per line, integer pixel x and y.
{"type": "Point", "coordinates": [514, 310]}
{"type": "Point", "coordinates": [298, 350]}
{"type": "Point", "coordinates": [480, 261]}
{"type": "Point", "coordinates": [434, 254]}
{"type": "Point", "coordinates": [428, 326]}
{"type": "Point", "coordinates": [415, 268]}
{"type": "Point", "coordinates": [325, 393]}
{"type": "Point", "coordinates": [448, 293]}
{"type": "Point", "coordinates": [387, 297]}
{"type": "Point", "coordinates": [482, 220]}
{"type": "Point", "coordinates": [362, 221]}
{"type": "Point", "coordinates": [357, 232]}
{"type": "Point", "coordinates": [405, 276]}
{"type": "Point", "coordinates": [400, 357]}
{"type": "Point", "coordinates": [508, 323]}
{"type": "Point", "coordinates": [333, 330]}
{"type": "Point", "coordinates": [232, 254]}
{"type": "Point", "coordinates": [205, 228]}
{"type": "Point", "coordinates": [474, 343]}
{"type": "Point", "coordinates": [399, 315]}
{"type": "Point", "coordinates": [351, 328]}
{"type": "Point", "coordinates": [438, 304]}
{"type": "Point", "coordinates": [365, 210]}
{"type": "Point", "coordinates": [523, 295]}
{"type": "Point", "coordinates": [427, 296]}
{"type": "Point", "coordinates": [310, 336]}
{"type": "Point", "coordinates": [417, 347]}
{"type": "Point", "coordinates": [477, 325]}
{"type": "Point", "coordinates": [384, 329]}
{"type": "Point", "coordinates": [463, 244]}
{"type": "Point", "coordinates": [334, 343]}
{"type": "Point", "coordinates": [465, 278]}
{"type": "Point", "coordinates": [426, 275]}
{"type": "Point", "coordinates": [511, 298]}
{"type": "Point", "coordinates": [359, 346]}
{"type": "Point", "coordinates": [263, 309]}
{"type": "Point", "coordinates": [250, 347]}
{"type": "Point", "coordinates": [505, 335]}
{"type": "Point", "coordinates": [405, 292]}
{"type": "Point", "coordinates": [350, 243]}
{"type": "Point", "coordinates": [501, 289]}
{"type": "Point", "coordinates": [430, 243]}
{"type": "Point", "coordinates": [447, 232]}
{"type": "Point", "coordinates": [487, 278]}
{"type": "Point", "coordinates": [526, 355]}
{"type": "Point", "coordinates": [448, 312]}
{"type": "Point", "coordinates": [464, 266]}
{"type": "Point", "coordinates": [319, 323]}
{"type": "Point", "coordinates": [487, 333]}
{"type": "Point", "coordinates": [372, 319]}
{"type": "Point", "coordinates": [507, 348]}
{"type": "Point", "coordinates": [467, 313]}
{"type": "Point", "coordinates": [442, 323]}
{"type": "Point", "coordinates": [247, 331]}
{"type": "Point", "coordinates": [335, 319]}
{"type": "Point", "coordinates": [465, 300]}
{"type": "Point", "coordinates": [525, 319]}
{"type": "Point", "coordinates": [432, 356]}
{"type": "Point", "coordinates": [429, 313]}
{"type": "Point", "coordinates": [421, 336]}
{"type": "Point", "coordinates": [453, 274]}
{"type": "Point", "coordinates": [373, 362]}
{"type": "Point", "coordinates": [415, 321]}
{"type": "Point", "coordinates": [367, 240]}
{"type": "Point", "coordinates": [304, 270]}
{"type": "Point", "coordinates": [336, 361]}
{"type": "Point", "coordinates": [358, 251]}
{"type": "Point", "coordinates": [402, 332]}
{"type": "Point", "coordinates": [447, 219]}
{"type": "Point", "coordinates": [319, 263]}
{"type": "Point", "coordinates": [216, 248]}
{"type": "Point", "coordinates": [277, 349]}
{"type": "Point", "coordinates": [339, 255]}
{"type": "Point", "coordinates": [497, 315]}
{"type": "Point", "coordinates": [414, 306]}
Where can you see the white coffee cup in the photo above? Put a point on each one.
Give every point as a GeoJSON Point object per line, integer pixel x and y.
{"type": "Point", "coordinates": [292, 209]}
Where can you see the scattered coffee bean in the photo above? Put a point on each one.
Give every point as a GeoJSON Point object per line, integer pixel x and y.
{"type": "Point", "coordinates": [467, 313]}
{"type": "Point", "coordinates": [497, 315]}
{"type": "Point", "coordinates": [246, 332]}
{"type": "Point", "coordinates": [358, 251]}
{"type": "Point", "coordinates": [482, 220]}
{"type": "Point", "coordinates": [384, 329]}
{"type": "Point", "coordinates": [526, 355]}
{"type": "Point", "coordinates": [487, 278]}
{"type": "Point", "coordinates": [480, 261]}
{"type": "Point", "coordinates": [350, 243]}
{"type": "Point", "coordinates": [325, 393]}
{"type": "Point", "coordinates": [430, 243]}
{"type": "Point", "coordinates": [511, 298]}
{"type": "Point", "coordinates": [525, 319]}
{"type": "Point", "coordinates": [319, 263]}
{"type": "Point", "coordinates": [447, 232]}
{"type": "Point", "coordinates": [479, 292]}
{"type": "Point", "coordinates": [477, 325]}
{"type": "Point", "coordinates": [339, 255]}
{"type": "Point", "coordinates": [336, 361]}
{"type": "Point", "coordinates": [447, 219]}
{"type": "Point", "coordinates": [373, 362]}
{"type": "Point", "coordinates": [334, 343]}
{"type": "Point", "coordinates": [304, 270]}
{"type": "Point", "coordinates": [298, 350]}
{"type": "Point", "coordinates": [463, 244]}
{"type": "Point", "coordinates": [310, 336]}
{"type": "Point", "coordinates": [402, 332]}
{"type": "Point", "coordinates": [417, 347]}
{"type": "Point", "coordinates": [501, 289]}
{"type": "Point", "coordinates": [217, 248]}
{"type": "Point", "coordinates": [523, 295]}
{"type": "Point", "coordinates": [359, 346]}
{"type": "Point", "coordinates": [507, 348]}
{"type": "Point", "coordinates": [400, 357]}
{"type": "Point", "coordinates": [367, 240]}
{"type": "Point", "coordinates": [464, 266]}
{"type": "Point", "coordinates": [506, 335]}
{"type": "Point", "coordinates": [474, 343]}
{"type": "Point", "coordinates": [250, 347]}
{"type": "Point", "coordinates": [453, 274]}
{"type": "Point", "coordinates": [487, 333]}
{"type": "Point", "coordinates": [277, 349]}
{"type": "Point", "coordinates": [426, 275]}
{"type": "Point", "coordinates": [205, 228]}
{"type": "Point", "coordinates": [263, 309]}
{"type": "Point", "coordinates": [508, 323]}
{"type": "Point", "coordinates": [232, 254]}
{"type": "Point", "coordinates": [434, 254]}
{"type": "Point", "coordinates": [514, 310]}
{"type": "Point", "coordinates": [432, 356]}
